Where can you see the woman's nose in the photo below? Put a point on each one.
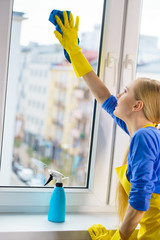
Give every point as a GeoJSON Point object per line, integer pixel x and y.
{"type": "Point", "coordinates": [119, 95]}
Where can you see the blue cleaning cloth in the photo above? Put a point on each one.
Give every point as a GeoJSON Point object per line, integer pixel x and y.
{"type": "Point", "coordinates": [53, 20]}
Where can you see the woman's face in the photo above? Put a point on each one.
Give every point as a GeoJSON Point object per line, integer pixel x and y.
{"type": "Point", "coordinates": [126, 103]}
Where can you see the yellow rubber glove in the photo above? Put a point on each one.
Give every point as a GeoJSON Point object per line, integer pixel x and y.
{"type": "Point", "coordinates": [116, 236]}
{"type": "Point", "coordinates": [99, 232]}
{"type": "Point", "coordinates": [69, 41]}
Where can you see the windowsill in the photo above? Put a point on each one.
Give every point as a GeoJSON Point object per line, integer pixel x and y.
{"type": "Point", "coordinates": [37, 226]}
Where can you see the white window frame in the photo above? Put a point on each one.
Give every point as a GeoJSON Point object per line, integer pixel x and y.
{"type": "Point", "coordinates": [95, 198]}
{"type": "Point", "coordinates": [128, 74]}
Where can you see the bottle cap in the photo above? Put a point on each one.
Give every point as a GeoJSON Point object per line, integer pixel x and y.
{"type": "Point", "coordinates": [58, 184]}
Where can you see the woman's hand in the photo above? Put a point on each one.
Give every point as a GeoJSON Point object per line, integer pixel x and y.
{"type": "Point", "coordinates": [69, 36]}
{"type": "Point", "coordinates": [99, 232]}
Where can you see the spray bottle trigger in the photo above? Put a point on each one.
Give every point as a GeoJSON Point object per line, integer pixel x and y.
{"type": "Point", "coordinates": [50, 179]}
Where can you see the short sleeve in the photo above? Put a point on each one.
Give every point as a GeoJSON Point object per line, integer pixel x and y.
{"type": "Point", "coordinates": [142, 165]}
{"type": "Point", "coordinates": [109, 106]}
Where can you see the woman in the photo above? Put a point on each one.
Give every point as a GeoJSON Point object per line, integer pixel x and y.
{"type": "Point", "coordinates": [137, 112]}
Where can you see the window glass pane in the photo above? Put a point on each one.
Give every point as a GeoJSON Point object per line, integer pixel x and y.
{"type": "Point", "coordinates": [148, 62]}
{"type": "Point", "coordinates": [48, 110]}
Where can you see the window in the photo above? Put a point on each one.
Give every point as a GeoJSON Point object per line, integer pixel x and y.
{"type": "Point", "coordinates": [105, 143]}
{"type": "Point", "coordinates": [148, 61]}
{"type": "Point", "coordinates": [140, 59]}
{"type": "Point", "coordinates": [32, 45]}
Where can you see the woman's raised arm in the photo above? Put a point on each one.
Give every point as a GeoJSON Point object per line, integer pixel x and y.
{"type": "Point", "coordinates": [97, 87]}
{"type": "Point", "coordinates": [82, 68]}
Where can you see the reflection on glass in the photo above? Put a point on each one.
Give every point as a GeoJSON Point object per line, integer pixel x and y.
{"type": "Point", "coordinates": [148, 62]}
{"type": "Point", "coordinates": [53, 110]}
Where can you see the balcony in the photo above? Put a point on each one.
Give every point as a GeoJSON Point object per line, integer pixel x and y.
{"type": "Point", "coordinates": [81, 93]}
{"type": "Point", "coordinates": [77, 113]}
{"type": "Point", "coordinates": [60, 85]}
{"type": "Point", "coordinates": [59, 104]}
{"type": "Point", "coordinates": [57, 123]}
{"type": "Point", "coordinates": [80, 115]}
{"type": "Point", "coordinates": [75, 133]}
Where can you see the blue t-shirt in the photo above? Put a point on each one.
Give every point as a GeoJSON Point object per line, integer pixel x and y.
{"type": "Point", "coordinates": [143, 160]}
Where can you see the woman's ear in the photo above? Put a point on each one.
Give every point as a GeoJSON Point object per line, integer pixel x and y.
{"type": "Point", "coordinates": [138, 106]}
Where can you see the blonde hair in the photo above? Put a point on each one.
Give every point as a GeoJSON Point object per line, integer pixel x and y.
{"type": "Point", "coordinates": [148, 91]}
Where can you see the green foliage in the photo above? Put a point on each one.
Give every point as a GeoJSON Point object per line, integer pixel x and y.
{"type": "Point", "coordinates": [17, 143]}
{"type": "Point", "coordinates": [46, 160]}
{"type": "Point", "coordinates": [30, 152]}
{"type": "Point", "coordinates": [82, 135]}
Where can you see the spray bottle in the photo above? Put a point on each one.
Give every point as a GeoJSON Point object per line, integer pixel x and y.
{"type": "Point", "coordinates": [57, 204]}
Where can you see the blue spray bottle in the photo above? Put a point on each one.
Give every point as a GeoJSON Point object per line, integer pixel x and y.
{"type": "Point", "coordinates": [56, 212]}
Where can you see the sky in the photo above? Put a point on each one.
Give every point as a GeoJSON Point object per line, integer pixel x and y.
{"type": "Point", "coordinates": [37, 28]}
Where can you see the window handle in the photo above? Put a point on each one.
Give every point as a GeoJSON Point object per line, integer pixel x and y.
{"type": "Point", "coordinates": [129, 64]}
{"type": "Point", "coordinates": [111, 62]}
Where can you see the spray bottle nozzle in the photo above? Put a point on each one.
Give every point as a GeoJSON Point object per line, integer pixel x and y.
{"type": "Point", "coordinates": [55, 175]}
